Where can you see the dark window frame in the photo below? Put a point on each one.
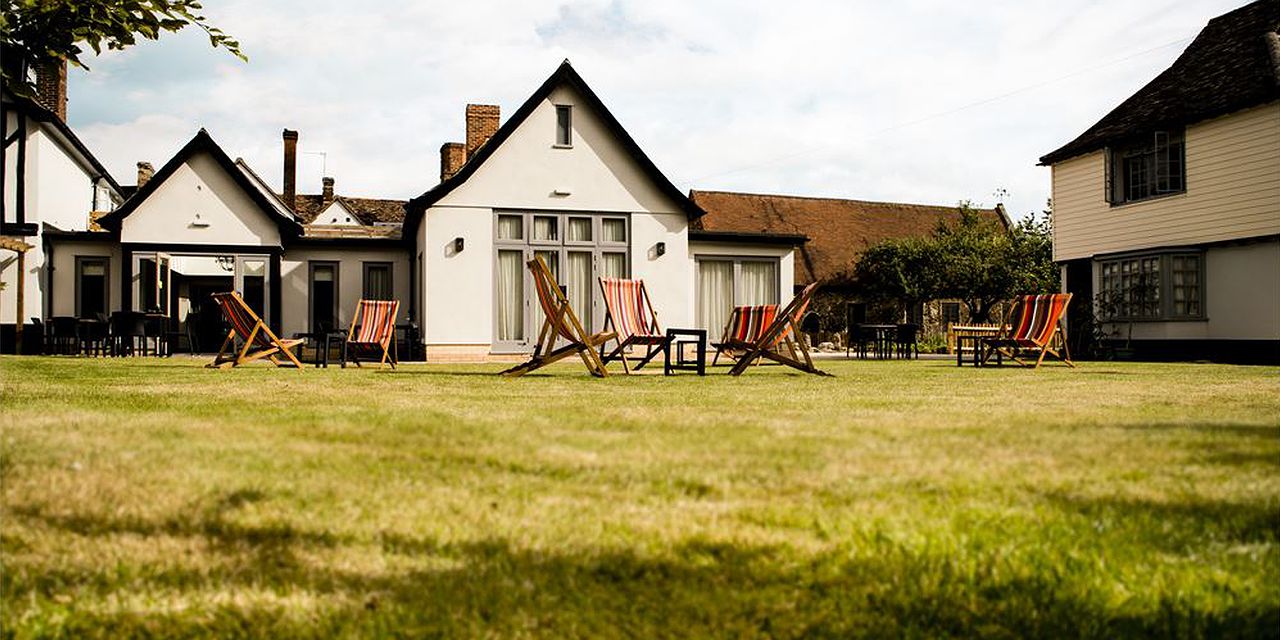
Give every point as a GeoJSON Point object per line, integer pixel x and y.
{"type": "Point", "coordinates": [1111, 271]}
{"type": "Point", "coordinates": [106, 281]}
{"type": "Point", "coordinates": [564, 126]}
{"type": "Point", "coordinates": [1149, 167]}
{"type": "Point", "coordinates": [391, 278]}
{"type": "Point", "coordinates": [337, 292]}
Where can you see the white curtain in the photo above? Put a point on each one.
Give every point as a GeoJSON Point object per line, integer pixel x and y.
{"type": "Point", "coordinates": [613, 265]}
{"type": "Point", "coordinates": [578, 285]}
{"type": "Point", "coordinates": [510, 295]}
{"type": "Point", "coordinates": [552, 258]}
{"type": "Point", "coordinates": [579, 230]}
{"type": "Point", "coordinates": [715, 295]}
{"type": "Point", "coordinates": [759, 283]}
{"type": "Point", "coordinates": [613, 230]}
{"type": "Point", "coordinates": [510, 227]}
{"type": "Point", "coordinates": [544, 228]}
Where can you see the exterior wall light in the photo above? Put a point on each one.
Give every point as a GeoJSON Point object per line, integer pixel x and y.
{"type": "Point", "coordinates": [458, 245]}
{"type": "Point", "coordinates": [660, 249]}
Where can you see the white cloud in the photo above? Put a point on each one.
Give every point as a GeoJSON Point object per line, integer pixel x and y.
{"type": "Point", "coordinates": [853, 99]}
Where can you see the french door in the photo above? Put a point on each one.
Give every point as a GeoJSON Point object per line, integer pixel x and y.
{"type": "Point", "coordinates": [577, 248]}
{"type": "Point", "coordinates": [152, 282]}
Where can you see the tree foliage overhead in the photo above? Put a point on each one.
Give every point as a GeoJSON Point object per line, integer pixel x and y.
{"type": "Point", "coordinates": [975, 260]}
{"type": "Point", "coordinates": [33, 32]}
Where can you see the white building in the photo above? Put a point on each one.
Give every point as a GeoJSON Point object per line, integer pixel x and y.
{"type": "Point", "coordinates": [560, 179]}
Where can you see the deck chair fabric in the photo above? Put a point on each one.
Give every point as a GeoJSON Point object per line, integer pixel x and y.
{"type": "Point", "coordinates": [629, 314]}
{"type": "Point", "coordinates": [258, 340]}
{"type": "Point", "coordinates": [560, 323]}
{"type": "Point", "coordinates": [372, 330]}
{"type": "Point", "coordinates": [743, 329]}
{"type": "Point", "coordinates": [783, 332]}
{"type": "Point", "coordinates": [1031, 325]}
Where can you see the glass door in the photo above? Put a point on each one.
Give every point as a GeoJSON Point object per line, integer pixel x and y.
{"type": "Point", "coordinates": [252, 284]}
{"type": "Point", "coordinates": [152, 276]}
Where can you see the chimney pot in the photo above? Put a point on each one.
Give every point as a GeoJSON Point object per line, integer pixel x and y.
{"type": "Point", "coordinates": [145, 171]}
{"type": "Point", "coordinates": [326, 194]}
{"type": "Point", "coordinates": [482, 123]}
{"type": "Point", "coordinates": [289, 185]}
{"type": "Point", "coordinates": [51, 86]}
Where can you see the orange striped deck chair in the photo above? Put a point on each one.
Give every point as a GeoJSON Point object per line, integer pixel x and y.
{"type": "Point", "coordinates": [258, 340]}
{"type": "Point", "coordinates": [1030, 328]}
{"type": "Point", "coordinates": [560, 323]}
{"type": "Point", "coordinates": [372, 330]}
{"type": "Point", "coordinates": [783, 331]}
{"type": "Point", "coordinates": [629, 314]}
{"type": "Point", "coordinates": [743, 329]}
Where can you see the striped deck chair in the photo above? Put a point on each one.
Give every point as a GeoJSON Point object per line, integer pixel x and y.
{"type": "Point", "coordinates": [784, 331]}
{"type": "Point", "coordinates": [629, 314]}
{"type": "Point", "coordinates": [246, 326]}
{"type": "Point", "coordinates": [1030, 327]}
{"type": "Point", "coordinates": [372, 330]}
{"type": "Point", "coordinates": [560, 322]}
{"type": "Point", "coordinates": [743, 329]}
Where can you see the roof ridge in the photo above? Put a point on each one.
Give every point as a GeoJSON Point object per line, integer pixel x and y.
{"type": "Point", "coordinates": [834, 199]}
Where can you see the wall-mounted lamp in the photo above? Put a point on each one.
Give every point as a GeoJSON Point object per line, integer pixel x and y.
{"type": "Point", "coordinates": [458, 245]}
{"type": "Point", "coordinates": [199, 222]}
{"type": "Point", "coordinates": [562, 191]}
{"type": "Point", "coordinates": [660, 249]}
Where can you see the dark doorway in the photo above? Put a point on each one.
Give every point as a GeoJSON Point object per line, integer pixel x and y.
{"type": "Point", "coordinates": [203, 320]}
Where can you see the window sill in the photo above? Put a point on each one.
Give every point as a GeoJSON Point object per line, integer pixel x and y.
{"type": "Point", "coordinates": [1163, 196]}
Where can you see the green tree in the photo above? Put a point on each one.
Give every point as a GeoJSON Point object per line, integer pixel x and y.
{"type": "Point", "coordinates": [33, 32]}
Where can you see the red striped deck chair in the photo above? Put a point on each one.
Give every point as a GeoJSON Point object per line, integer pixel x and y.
{"type": "Point", "coordinates": [784, 331]}
{"type": "Point", "coordinates": [560, 323]}
{"type": "Point", "coordinates": [372, 330]}
{"type": "Point", "coordinates": [629, 314]}
{"type": "Point", "coordinates": [249, 329]}
{"type": "Point", "coordinates": [1030, 328]}
{"type": "Point", "coordinates": [743, 329]}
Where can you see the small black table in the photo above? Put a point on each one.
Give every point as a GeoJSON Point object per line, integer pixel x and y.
{"type": "Point", "coordinates": [323, 341]}
{"type": "Point", "coordinates": [699, 339]}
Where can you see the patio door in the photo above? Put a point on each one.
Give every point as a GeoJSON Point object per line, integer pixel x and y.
{"type": "Point", "coordinates": [252, 284]}
{"type": "Point", "coordinates": [152, 283]}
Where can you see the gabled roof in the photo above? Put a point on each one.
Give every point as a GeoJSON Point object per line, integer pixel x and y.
{"type": "Point", "coordinates": [564, 75]}
{"type": "Point", "coordinates": [837, 230]}
{"type": "Point", "coordinates": [369, 210]}
{"type": "Point", "coordinates": [37, 112]}
{"type": "Point", "coordinates": [1233, 64]}
{"type": "Point", "coordinates": [240, 173]}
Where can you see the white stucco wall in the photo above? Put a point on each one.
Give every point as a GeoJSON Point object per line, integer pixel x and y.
{"type": "Point", "coordinates": [294, 282]}
{"type": "Point", "coordinates": [63, 301]}
{"type": "Point", "coordinates": [200, 187]}
{"type": "Point", "coordinates": [1241, 297]}
{"type": "Point", "coordinates": [458, 287]}
{"type": "Point", "coordinates": [64, 191]}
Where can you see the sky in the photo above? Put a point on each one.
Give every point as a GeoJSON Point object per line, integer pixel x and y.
{"type": "Point", "coordinates": [906, 101]}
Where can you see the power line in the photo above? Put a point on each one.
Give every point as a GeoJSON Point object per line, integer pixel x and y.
{"type": "Point", "coordinates": [941, 114]}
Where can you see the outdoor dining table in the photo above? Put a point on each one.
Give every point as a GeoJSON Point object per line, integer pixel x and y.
{"type": "Point", "coordinates": [884, 334]}
{"type": "Point", "coordinates": [975, 335]}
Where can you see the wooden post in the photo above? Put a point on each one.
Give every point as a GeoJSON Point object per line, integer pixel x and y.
{"type": "Point", "coordinates": [22, 293]}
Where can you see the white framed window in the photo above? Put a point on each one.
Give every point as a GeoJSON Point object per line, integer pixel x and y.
{"type": "Point", "coordinates": [1156, 286]}
{"type": "Point", "coordinates": [1151, 166]}
{"type": "Point", "coordinates": [725, 282]}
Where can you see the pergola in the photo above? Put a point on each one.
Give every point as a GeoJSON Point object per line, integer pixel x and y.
{"type": "Point", "coordinates": [21, 248]}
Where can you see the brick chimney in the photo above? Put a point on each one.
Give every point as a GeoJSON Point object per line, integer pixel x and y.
{"type": "Point", "coordinates": [452, 156]}
{"type": "Point", "coordinates": [51, 86]}
{"type": "Point", "coordinates": [145, 171]}
{"type": "Point", "coordinates": [289, 185]}
{"type": "Point", "coordinates": [482, 123]}
{"type": "Point", "coordinates": [326, 192]}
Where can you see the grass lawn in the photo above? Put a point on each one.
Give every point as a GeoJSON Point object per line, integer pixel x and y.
{"type": "Point", "coordinates": [158, 498]}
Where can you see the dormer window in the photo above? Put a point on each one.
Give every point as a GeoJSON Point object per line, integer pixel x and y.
{"type": "Point", "coordinates": [564, 125]}
{"type": "Point", "coordinates": [1148, 167]}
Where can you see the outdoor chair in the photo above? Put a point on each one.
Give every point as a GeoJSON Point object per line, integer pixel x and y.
{"type": "Point", "coordinates": [743, 329]}
{"type": "Point", "coordinates": [128, 331]}
{"type": "Point", "coordinates": [860, 341]}
{"type": "Point", "coordinates": [259, 342]}
{"type": "Point", "coordinates": [560, 322]}
{"type": "Point", "coordinates": [156, 328]}
{"type": "Point", "coordinates": [784, 331]}
{"type": "Point", "coordinates": [1030, 328]}
{"type": "Point", "coordinates": [64, 335]}
{"type": "Point", "coordinates": [95, 336]}
{"type": "Point", "coordinates": [372, 331]}
{"type": "Point", "coordinates": [629, 314]}
{"type": "Point", "coordinates": [906, 342]}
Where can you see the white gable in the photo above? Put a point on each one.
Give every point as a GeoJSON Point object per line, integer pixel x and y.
{"type": "Point", "coordinates": [338, 215]}
{"type": "Point", "coordinates": [199, 203]}
{"type": "Point", "coordinates": [529, 170]}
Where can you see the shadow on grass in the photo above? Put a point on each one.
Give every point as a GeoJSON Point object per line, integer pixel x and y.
{"type": "Point", "coordinates": [1259, 431]}
{"type": "Point", "coordinates": [698, 587]}
{"type": "Point", "coordinates": [1178, 526]}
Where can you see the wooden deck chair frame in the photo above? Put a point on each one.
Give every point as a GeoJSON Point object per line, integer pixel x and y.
{"type": "Point", "coordinates": [256, 334]}
{"type": "Point", "coordinates": [560, 322]}
{"type": "Point", "coordinates": [734, 348]}
{"type": "Point", "coordinates": [1005, 344]}
{"type": "Point", "coordinates": [784, 331]}
{"type": "Point", "coordinates": [653, 340]}
{"type": "Point", "coordinates": [386, 342]}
